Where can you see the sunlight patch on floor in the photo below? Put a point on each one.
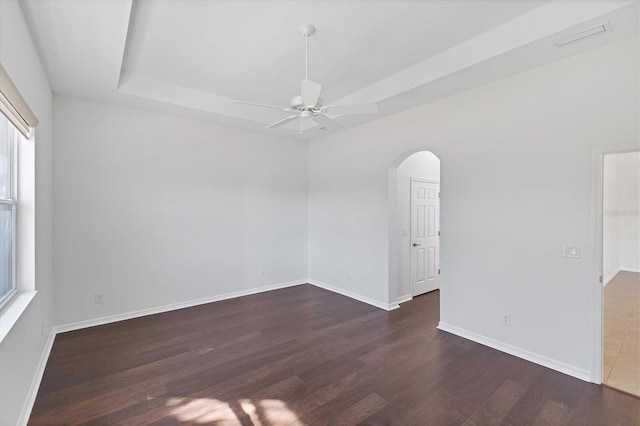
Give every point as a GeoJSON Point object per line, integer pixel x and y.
{"type": "Point", "coordinates": [238, 412]}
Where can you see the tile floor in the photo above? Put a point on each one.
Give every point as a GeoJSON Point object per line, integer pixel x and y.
{"type": "Point", "coordinates": [622, 332]}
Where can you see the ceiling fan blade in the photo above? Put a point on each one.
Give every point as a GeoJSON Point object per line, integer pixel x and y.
{"type": "Point", "coordinates": [264, 105]}
{"type": "Point", "coordinates": [352, 109]}
{"type": "Point", "coordinates": [310, 92]}
{"type": "Point", "coordinates": [328, 123]}
{"type": "Point", "coordinates": [304, 120]}
{"type": "Point", "coordinates": [283, 121]}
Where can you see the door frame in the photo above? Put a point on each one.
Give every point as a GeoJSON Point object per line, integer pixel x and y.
{"type": "Point", "coordinates": [393, 236]}
{"type": "Point", "coordinates": [411, 277]}
{"type": "Point", "coordinates": [597, 181]}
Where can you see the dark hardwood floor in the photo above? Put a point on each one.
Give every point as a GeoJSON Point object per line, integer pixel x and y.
{"type": "Point", "coordinates": [306, 356]}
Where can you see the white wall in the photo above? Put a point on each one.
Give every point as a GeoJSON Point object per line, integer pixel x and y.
{"type": "Point", "coordinates": [423, 165]}
{"type": "Point", "coordinates": [629, 205]}
{"type": "Point", "coordinates": [515, 157]}
{"type": "Point", "coordinates": [621, 221]}
{"type": "Point", "coordinates": [610, 222]}
{"type": "Point", "coordinates": [153, 210]}
{"type": "Point", "coordinates": [23, 347]}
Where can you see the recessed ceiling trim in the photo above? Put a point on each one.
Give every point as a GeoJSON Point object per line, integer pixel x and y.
{"type": "Point", "coordinates": [535, 25]}
{"type": "Point", "coordinates": [130, 28]}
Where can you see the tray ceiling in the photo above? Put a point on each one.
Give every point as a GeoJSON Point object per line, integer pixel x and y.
{"type": "Point", "coordinates": [194, 58]}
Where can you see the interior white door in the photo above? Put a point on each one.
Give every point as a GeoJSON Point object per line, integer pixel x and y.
{"type": "Point", "coordinates": [425, 239]}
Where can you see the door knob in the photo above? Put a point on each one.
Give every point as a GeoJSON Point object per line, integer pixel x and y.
{"type": "Point", "coordinates": [416, 244]}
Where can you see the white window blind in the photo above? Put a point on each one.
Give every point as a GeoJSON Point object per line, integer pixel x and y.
{"type": "Point", "coordinates": [14, 107]}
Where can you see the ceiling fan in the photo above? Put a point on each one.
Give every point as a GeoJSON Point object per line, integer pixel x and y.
{"type": "Point", "coordinates": [309, 107]}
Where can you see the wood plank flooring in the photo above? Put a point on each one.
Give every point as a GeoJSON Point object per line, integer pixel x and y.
{"type": "Point", "coordinates": [622, 332]}
{"type": "Point", "coordinates": [306, 356]}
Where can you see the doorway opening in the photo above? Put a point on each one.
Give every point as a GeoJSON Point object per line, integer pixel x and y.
{"type": "Point", "coordinates": [418, 225]}
{"type": "Point", "coordinates": [621, 271]}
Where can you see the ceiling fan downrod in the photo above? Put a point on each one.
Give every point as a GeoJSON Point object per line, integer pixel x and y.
{"type": "Point", "coordinates": [307, 31]}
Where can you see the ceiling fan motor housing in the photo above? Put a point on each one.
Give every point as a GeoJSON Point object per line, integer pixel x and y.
{"type": "Point", "coordinates": [298, 105]}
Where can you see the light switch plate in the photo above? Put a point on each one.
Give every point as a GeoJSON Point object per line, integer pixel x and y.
{"type": "Point", "coordinates": [571, 251]}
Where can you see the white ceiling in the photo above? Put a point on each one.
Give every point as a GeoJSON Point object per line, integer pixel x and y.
{"type": "Point", "coordinates": [194, 58]}
{"type": "Point", "coordinates": [252, 50]}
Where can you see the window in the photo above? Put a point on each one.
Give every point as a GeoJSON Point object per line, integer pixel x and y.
{"type": "Point", "coordinates": [17, 204]}
{"type": "Point", "coordinates": [8, 205]}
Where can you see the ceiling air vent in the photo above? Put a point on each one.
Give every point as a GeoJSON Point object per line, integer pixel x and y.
{"type": "Point", "coordinates": [598, 29]}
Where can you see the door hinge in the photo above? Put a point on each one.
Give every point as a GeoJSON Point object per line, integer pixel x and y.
{"type": "Point", "coordinates": [438, 271]}
{"type": "Point", "coordinates": [600, 279]}
{"type": "Point", "coordinates": [438, 233]}
{"type": "Point", "coordinates": [438, 195]}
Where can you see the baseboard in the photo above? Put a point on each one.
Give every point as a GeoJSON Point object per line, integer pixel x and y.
{"type": "Point", "coordinates": [166, 308]}
{"type": "Point", "coordinates": [629, 269]}
{"type": "Point", "coordinates": [553, 364]}
{"type": "Point", "coordinates": [35, 385]}
{"type": "Point", "coordinates": [358, 297]}
{"type": "Point", "coordinates": [610, 277]}
{"type": "Point", "coordinates": [35, 382]}
{"type": "Point", "coordinates": [404, 298]}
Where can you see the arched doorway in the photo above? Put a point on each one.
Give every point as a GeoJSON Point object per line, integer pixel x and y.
{"type": "Point", "coordinates": [414, 231]}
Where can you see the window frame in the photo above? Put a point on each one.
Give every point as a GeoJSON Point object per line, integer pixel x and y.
{"type": "Point", "coordinates": [13, 137]}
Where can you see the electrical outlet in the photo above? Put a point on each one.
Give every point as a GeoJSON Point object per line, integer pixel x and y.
{"type": "Point", "coordinates": [271, 272]}
{"type": "Point", "coordinates": [262, 273]}
{"type": "Point", "coordinates": [98, 299]}
{"type": "Point", "coordinates": [348, 276]}
{"type": "Point", "coordinates": [506, 319]}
